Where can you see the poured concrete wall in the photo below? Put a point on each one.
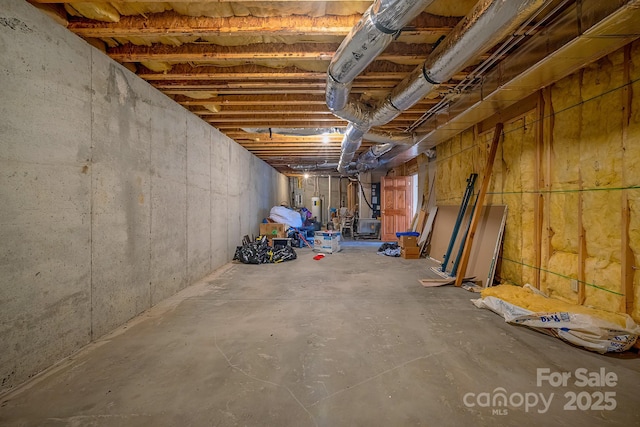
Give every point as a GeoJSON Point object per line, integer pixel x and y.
{"type": "Point", "coordinates": [113, 197]}
{"type": "Point", "coordinates": [571, 167]}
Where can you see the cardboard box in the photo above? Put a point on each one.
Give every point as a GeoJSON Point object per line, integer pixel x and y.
{"type": "Point", "coordinates": [406, 255]}
{"type": "Point", "coordinates": [327, 241]}
{"type": "Point", "coordinates": [411, 250]}
{"type": "Point", "coordinates": [407, 241]}
{"type": "Point", "coordinates": [272, 229]}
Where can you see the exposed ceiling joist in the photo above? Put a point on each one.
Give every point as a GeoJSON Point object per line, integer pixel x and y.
{"type": "Point", "coordinates": [189, 72]}
{"type": "Point", "coordinates": [194, 53]}
{"type": "Point", "coordinates": [176, 25]}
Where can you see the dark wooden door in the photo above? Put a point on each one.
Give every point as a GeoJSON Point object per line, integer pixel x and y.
{"type": "Point", "coordinates": [397, 199]}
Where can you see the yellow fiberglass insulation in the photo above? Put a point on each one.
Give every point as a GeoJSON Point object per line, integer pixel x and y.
{"type": "Point", "coordinates": [556, 282]}
{"type": "Point", "coordinates": [563, 221]}
{"type": "Point", "coordinates": [518, 156]}
{"type": "Point", "coordinates": [443, 181]}
{"type": "Point", "coordinates": [632, 173]}
{"type": "Point", "coordinates": [565, 170]}
{"type": "Point", "coordinates": [603, 279]}
{"type": "Point", "coordinates": [494, 192]}
{"type": "Point", "coordinates": [528, 252]}
{"type": "Point", "coordinates": [99, 11]}
{"type": "Point", "coordinates": [512, 244]}
{"type": "Point", "coordinates": [601, 220]}
{"type": "Point", "coordinates": [451, 8]}
{"type": "Point", "coordinates": [525, 298]}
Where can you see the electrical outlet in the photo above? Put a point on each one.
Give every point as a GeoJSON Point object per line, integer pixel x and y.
{"type": "Point", "coordinates": [574, 285]}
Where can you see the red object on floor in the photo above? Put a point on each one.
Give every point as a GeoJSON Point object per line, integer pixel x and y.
{"type": "Point", "coordinates": [318, 257]}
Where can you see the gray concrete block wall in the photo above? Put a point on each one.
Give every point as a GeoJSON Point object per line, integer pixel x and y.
{"type": "Point", "coordinates": [113, 197]}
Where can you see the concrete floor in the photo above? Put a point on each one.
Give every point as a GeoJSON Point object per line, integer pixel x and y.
{"type": "Point", "coordinates": [350, 340]}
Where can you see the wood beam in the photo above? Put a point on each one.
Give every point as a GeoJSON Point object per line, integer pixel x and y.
{"type": "Point", "coordinates": [228, 74]}
{"type": "Point", "coordinates": [176, 25]}
{"type": "Point", "coordinates": [291, 118]}
{"type": "Point", "coordinates": [266, 100]}
{"type": "Point", "coordinates": [193, 53]}
{"type": "Point", "coordinates": [268, 120]}
{"type": "Point", "coordinates": [230, 115]}
{"type": "Point", "coordinates": [268, 144]}
{"type": "Point", "coordinates": [273, 102]}
{"type": "Point", "coordinates": [264, 138]}
{"type": "Point", "coordinates": [199, 1]}
{"type": "Point", "coordinates": [285, 117]}
{"type": "Point", "coordinates": [273, 85]}
{"type": "Point", "coordinates": [378, 90]}
{"type": "Point", "coordinates": [311, 149]}
{"type": "Point", "coordinates": [243, 73]}
{"type": "Point", "coordinates": [320, 156]}
{"type": "Point", "coordinates": [252, 113]}
{"type": "Point", "coordinates": [240, 92]}
{"type": "Point", "coordinates": [287, 109]}
{"type": "Point", "coordinates": [308, 124]}
{"type": "Point", "coordinates": [271, 91]}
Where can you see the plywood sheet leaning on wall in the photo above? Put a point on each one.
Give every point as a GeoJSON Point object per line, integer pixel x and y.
{"type": "Point", "coordinates": [487, 238]}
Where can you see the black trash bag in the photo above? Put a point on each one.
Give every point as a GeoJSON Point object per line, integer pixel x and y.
{"type": "Point", "coordinates": [389, 249]}
{"type": "Point", "coordinates": [285, 253]}
{"type": "Point", "coordinates": [259, 252]}
{"type": "Point", "coordinates": [251, 252]}
{"type": "Point", "coordinates": [247, 254]}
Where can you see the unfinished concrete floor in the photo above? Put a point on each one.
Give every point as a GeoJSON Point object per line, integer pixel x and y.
{"type": "Point", "coordinates": [350, 340]}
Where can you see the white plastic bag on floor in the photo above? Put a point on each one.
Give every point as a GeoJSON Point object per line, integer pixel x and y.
{"type": "Point", "coordinates": [283, 215]}
{"type": "Point", "coordinates": [583, 330]}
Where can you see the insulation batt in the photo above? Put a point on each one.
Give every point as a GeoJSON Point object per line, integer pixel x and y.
{"type": "Point", "coordinates": [593, 329]}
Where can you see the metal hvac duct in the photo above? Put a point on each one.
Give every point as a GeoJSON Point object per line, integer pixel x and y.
{"type": "Point", "coordinates": [377, 28]}
{"type": "Point", "coordinates": [486, 24]}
